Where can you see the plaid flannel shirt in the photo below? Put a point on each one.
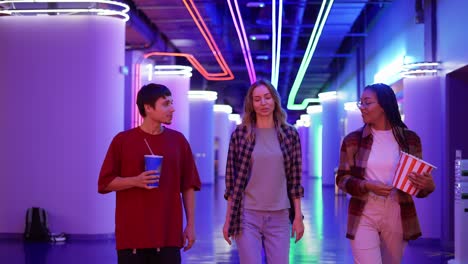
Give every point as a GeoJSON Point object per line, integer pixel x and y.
{"type": "Point", "coordinates": [239, 164]}
{"type": "Point", "coordinates": [355, 151]}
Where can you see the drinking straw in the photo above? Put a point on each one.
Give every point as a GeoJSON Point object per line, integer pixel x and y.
{"type": "Point", "coordinates": [149, 147]}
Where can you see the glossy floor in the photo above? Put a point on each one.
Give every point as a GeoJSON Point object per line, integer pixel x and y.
{"type": "Point", "coordinates": [324, 240]}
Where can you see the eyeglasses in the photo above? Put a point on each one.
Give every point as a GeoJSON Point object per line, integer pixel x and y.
{"type": "Point", "coordinates": [361, 104]}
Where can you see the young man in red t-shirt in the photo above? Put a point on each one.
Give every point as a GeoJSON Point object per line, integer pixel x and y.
{"type": "Point", "coordinates": [148, 220]}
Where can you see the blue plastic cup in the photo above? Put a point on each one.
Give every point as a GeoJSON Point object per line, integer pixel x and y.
{"type": "Point", "coordinates": [153, 162]}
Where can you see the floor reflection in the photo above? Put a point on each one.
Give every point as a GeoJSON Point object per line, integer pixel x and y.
{"type": "Point", "coordinates": [323, 242]}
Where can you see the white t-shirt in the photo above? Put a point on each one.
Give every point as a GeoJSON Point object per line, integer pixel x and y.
{"type": "Point", "coordinates": [383, 157]}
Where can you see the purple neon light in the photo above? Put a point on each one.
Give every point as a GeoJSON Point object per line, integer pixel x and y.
{"type": "Point", "coordinates": [243, 40]}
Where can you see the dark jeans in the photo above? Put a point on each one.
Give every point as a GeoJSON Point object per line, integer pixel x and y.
{"type": "Point", "coordinates": [166, 255]}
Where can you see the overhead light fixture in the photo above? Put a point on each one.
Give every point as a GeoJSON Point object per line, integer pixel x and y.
{"type": "Point", "coordinates": [239, 25]}
{"type": "Point", "coordinates": [183, 42]}
{"type": "Point", "coordinates": [351, 106]}
{"type": "Point", "coordinates": [202, 95]}
{"type": "Point", "coordinates": [179, 70]}
{"type": "Point", "coordinates": [314, 109]}
{"type": "Point", "coordinates": [262, 57]}
{"type": "Point", "coordinates": [327, 96]}
{"type": "Point", "coordinates": [222, 108]}
{"type": "Point", "coordinates": [313, 41]}
{"type": "Point", "coordinates": [98, 7]}
{"type": "Point", "coordinates": [255, 4]}
{"type": "Point", "coordinates": [418, 69]}
{"type": "Point", "coordinates": [259, 37]}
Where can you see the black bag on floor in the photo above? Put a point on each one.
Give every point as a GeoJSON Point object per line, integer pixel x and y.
{"type": "Point", "coordinates": [37, 227]}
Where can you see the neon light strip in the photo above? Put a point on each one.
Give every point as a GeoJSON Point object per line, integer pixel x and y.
{"type": "Point", "coordinates": [273, 42]}
{"type": "Point", "coordinates": [314, 37]}
{"type": "Point", "coordinates": [136, 118]}
{"type": "Point", "coordinates": [99, 11]}
{"type": "Point", "coordinates": [202, 95]}
{"type": "Point", "coordinates": [276, 41]}
{"type": "Point", "coordinates": [209, 39]}
{"type": "Point", "coordinates": [242, 40]}
{"type": "Point", "coordinates": [195, 64]}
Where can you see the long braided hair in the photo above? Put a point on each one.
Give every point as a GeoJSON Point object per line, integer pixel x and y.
{"type": "Point", "coordinates": [387, 100]}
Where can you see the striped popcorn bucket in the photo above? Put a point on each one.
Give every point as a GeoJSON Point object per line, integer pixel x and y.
{"type": "Point", "coordinates": [409, 163]}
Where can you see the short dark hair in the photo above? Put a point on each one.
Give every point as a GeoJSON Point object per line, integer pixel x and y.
{"type": "Point", "coordinates": [149, 94]}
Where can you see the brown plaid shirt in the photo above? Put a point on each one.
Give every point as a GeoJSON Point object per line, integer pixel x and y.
{"type": "Point", "coordinates": [239, 164]}
{"type": "Point", "coordinates": [355, 151]}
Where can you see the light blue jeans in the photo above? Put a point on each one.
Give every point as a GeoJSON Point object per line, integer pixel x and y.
{"type": "Point", "coordinates": [264, 228]}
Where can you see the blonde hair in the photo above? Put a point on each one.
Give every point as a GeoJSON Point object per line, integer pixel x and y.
{"type": "Point", "coordinates": [249, 120]}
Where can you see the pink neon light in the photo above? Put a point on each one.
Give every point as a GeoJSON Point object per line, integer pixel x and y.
{"type": "Point", "coordinates": [209, 39]}
{"type": "Point", "coordinates": [195, 64]}
{"type": "Point", "coordinates": [243, 40]}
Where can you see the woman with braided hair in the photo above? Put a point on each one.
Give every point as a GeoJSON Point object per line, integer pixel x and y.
{"type": "Point", "coordinates": [381, 218]}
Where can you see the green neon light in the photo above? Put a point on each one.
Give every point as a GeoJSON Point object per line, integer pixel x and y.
{"type": "Point", "coordinates": [311, 46]}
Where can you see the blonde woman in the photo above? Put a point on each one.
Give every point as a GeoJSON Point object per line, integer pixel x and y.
{"type": "Point", "coordinates": [263, 180]}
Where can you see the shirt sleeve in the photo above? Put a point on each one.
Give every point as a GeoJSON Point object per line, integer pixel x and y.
{"type": "Point", "coordinates": [230, 167]}
{"type": "Point", "coordinates": [190, 178]}
{"type": "Point", "coordinates": [110, 168]}
{"type": "Point", "coordinates": [415, 142]}
{"type": "Point", "coordinates": [296, 189]}
{"type": "Point", "coordinates": [344, 178]}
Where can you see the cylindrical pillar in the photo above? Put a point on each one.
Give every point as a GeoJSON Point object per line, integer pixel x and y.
{"type": "Point", "coordinates": [222, 136]}
{"type": "Point", "coordinates": [177, 79]}
{"type": "Point", "coordinates": [61, 103]}
{"type": "Point", "coordinates": [315, 141]}
{"type": "Point", "coordinates": [235, 121]}
{"type": "Point", "coordinates": [353, 119]}
{"type": "Point", "coordinates": [422, 106]}
{"type": "Point", "coordinates": [202, 132]}
{"type": "Point", "coordinates": [331, 142]}
{"type": "Point", "coordinates": [303, 126]}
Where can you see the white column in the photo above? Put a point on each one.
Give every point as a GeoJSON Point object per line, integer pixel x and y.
{"type": "Point", "coordinates": [422, 106]}
{"type": "Point", "coordinates": [331, 137]}
{"type": "Point", "coordinates": [202, 133]}
{"type": "Point", "coordinates": [222, 136]}
{"type": "Point", "coordinates": [177, 79]}
{"type": "Point", "coordinates": [303, 126]}
{"type": "Point", "coordinates": [353, 119]}
{"type": "Point", "coordinates": [61, 103]}
{"type": "Point", "coordinates": [315, 141]}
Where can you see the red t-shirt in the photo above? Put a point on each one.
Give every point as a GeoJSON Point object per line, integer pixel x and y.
{"type": "Point", "coordinates": [149, 218]}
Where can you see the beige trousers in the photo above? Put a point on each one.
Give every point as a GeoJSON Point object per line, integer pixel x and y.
{"type": "Point", "coordinates": [379, 237]}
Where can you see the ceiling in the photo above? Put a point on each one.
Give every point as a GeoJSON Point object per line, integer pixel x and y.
{"type": "Point", "coordinates": [168, 26]}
